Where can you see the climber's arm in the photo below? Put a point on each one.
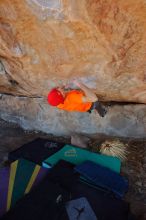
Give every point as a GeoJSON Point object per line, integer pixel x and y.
{"type": "Point", "coordinates": [90, 96]}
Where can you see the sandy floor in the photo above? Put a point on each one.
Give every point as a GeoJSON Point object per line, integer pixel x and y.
{"type": "Point", "coordinates": [134, 168]}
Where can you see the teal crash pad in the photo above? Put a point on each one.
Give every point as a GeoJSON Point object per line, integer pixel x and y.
{"type": "Point", "coordinates": [77, 156]}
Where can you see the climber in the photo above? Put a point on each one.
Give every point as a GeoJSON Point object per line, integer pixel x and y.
{"type": "Point", "coordinates": [83, 100]}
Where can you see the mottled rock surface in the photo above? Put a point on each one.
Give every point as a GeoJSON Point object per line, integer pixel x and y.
{"type": "Point", "coordinates": [36, 114]}
{"type": "Point", "coordinates": [47, 42]}
{"type": "Point", "coordinates": [44, 43]}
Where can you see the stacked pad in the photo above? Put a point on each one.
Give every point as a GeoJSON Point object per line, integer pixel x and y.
{"type": "Point", "coordinates": [61, 196]}
{"type": "Point", "coordinates": [103, 177]}
{"type": "Point", "coordinates": [4, 183]}
{"type": "Point", "coordinates": [95, 169]}
{"type": "Point", "coordinates": [98, 170]}
{"type": "Point", "coordinates": [77, 156]}
{"type": "Point", "coordinates": [36, 151]}
{"type": "Point", "coordinates": [18, 180]}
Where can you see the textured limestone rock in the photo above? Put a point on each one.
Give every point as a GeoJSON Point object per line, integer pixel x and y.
{"type": "Point", "coordinates": [47, 42]}
{"type": "Point", "coordinates": [44, 43]}
{"type": "Point", "coordinates": [36, 114]}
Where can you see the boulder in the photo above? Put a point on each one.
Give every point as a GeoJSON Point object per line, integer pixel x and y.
{"type": "Point", "coordinates": [47, 43]}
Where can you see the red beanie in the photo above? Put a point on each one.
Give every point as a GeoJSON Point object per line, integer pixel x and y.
{"type": "Point", "coordinates": [55, 97]}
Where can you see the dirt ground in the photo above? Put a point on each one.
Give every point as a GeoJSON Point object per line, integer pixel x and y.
{"type": "Point", "coordinates": [134, 168]}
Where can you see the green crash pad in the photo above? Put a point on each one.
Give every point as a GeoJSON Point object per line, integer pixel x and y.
{"type": "Point", "coordinates": [77, 156]}
{"type": "Point", "coordinates": [24, 175]}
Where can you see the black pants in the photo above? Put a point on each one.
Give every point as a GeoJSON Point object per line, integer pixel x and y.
{"type": "Point", "coordinates": [99, 107]}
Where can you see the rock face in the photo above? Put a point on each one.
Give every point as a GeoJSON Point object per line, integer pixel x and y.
{"type": "Point", "coordinates": [44, 43]}
{"type": "Point", "coordinates": [47, 42]}
{"type": "Point", "coordinates": [36, 114]}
